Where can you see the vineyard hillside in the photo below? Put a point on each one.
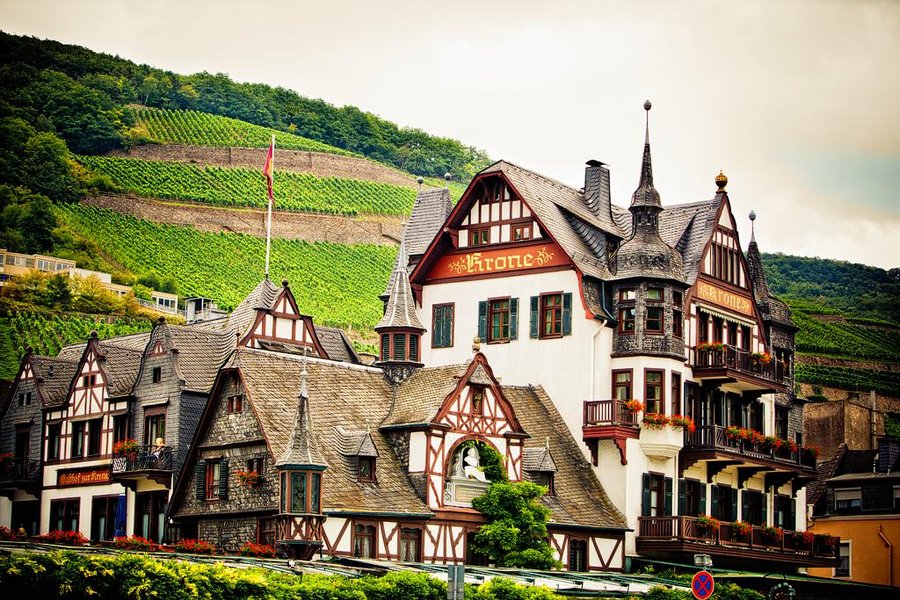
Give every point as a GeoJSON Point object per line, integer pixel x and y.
{"type": "Point", "coordinates": [337, 284]}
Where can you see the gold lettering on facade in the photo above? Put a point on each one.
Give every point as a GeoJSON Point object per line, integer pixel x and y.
{"type": "Point", "coordinates": [476, 262]}
{"type": "Point", "coordinates": [717, 295]}
{"type": "Point", "coordinates": [82, 477]}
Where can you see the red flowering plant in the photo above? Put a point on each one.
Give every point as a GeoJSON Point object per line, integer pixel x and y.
{"type": "Point", "coordinates": [69, 538]}
{"type": "Point", "coordinates": [655, 420]}
{"type": "Point", "coordinates": [774, 534]}
{"type": "Point", "coordinates": [829, 542]}
{"type": "Point", "coordinates": [127, 448]}
{"type": "Point", "coordinates": [260, 550]}
{"type": "Point", "coordinates": [194, 547]}
{"type": "Point", "coordinates": [248, 478]}
{"type": "Point", "coordinates": [684, 422]}
{"type": "Point", "coordinates": [634, 406]}
{"type": "Point", "coordinates": [707, 524]}
{"type": "Point", "coordinates": [812, 451]}
{"type": "Point", "coordinates": [740, 529]}
{"type": "Point", "coordinates": [135, 543]}
{"type": "Point", "coordinates": [804, 539]}
{"type": "Point", "coordinates": [710, 346]}
{"type": "Point", "coordinates": [792, 445]}
{"type": "Point", "coordinates": [8, 535]}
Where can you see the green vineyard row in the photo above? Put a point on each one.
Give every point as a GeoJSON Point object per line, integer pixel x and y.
{"type": "Point", "coordinates": [167, 126]}
{"type": "Point", "coordinates": [247, 187]}
{"type": "Point", "coordinates": [846, 339]}
{"type": "Point", "coordinates": [337, 284]}
{"type": "Point", "coordinates": [47, 333]}
{"type": "Point", "coordinates": [863, 380]}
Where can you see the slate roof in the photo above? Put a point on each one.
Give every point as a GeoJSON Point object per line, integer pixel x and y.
{"type": "Point", "coordinates": [579, 498]}
{"type": "Point", "coordinates": [421, 394]}
{"type": "Point", "coordinates": [340, 395]}
{"type": "Point", "coordinates": [354, 443]}
{"type": "Point", "coordinates": [52, 377]}
{"type": "Point", "coordinates": [538, 460]}
{"type": "Point", "coordinates": [301, 448]}
{"type": "Point", "coordinates": [336, 344]}
{"type": "Point", "coordinates": [772, 308]}
{"type": "Point", "coordinates": [244, 315]}
{"type": "Point", "coordinates": [200, 354]}
{"type": "Point", "coordinates": [430, 211]}
{"type": "Point", "coordinates": [400, 311]}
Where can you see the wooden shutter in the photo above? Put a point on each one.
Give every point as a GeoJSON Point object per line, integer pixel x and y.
{"type": "Point", "coordinates": [447, 326]}
{"type": "Point", "coordinates": [645, 495]}
{"type": "Point", "coordinates": [513, 318]}
{"type": "Point", "coordinates": [385, 347]}
{"type": "Point", "coordinates": [792, 523]}
{"type": "Point", "coordinates": [703, 499]}
{"type": "Point", "coordinates": [223, 480]}
{"type": "Point", "coordinates": [714, 503]}
{"type": "Point", "coordinates": [413, 347]}
{"type": "Point", "coordinates": [482, 320]}
{"type": "Point", "coordinates": [765, 509]}
{"type": "Point", "coordinates": [682, 497]}
{"type": "Point", "coordinates": [745, 504]}
{"type": "Point", "coordinates": [201, 480]}
{"type": "Point", "coordinates": [535, 316]}
{"type": "Point", "coordinates": [567, 314]}
{"type": "Point", "coordinates": [668, 482]}
{"type": "Point", "coordinates": [734, 499]}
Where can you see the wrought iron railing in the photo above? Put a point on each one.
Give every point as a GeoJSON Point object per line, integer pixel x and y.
{"type": "Point", "coordinates": [725, 534]}
{"type": "Point", "coordinates": [609, 412]}
{"type": "Point", "coordinates": [730, 357]}
{"type": "Point", "coordinates": [145, 458]}
{"type": "Point", "coordinates": [716, 437]}
{"type": "Point", "coordinates": [14, 470]}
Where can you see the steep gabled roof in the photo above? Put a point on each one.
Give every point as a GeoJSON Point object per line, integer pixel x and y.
{"type": "Point", "coordinates": [340, 395]}
{"type": "Point", "coordinates": [262, 296]}
{"type": "Point", "coordinates": [400, 311]}
{"type": "Point", "coordinates": [336, 344]}
{"type": "Point", "coordinates": [53, 377]}
{"type": "Point", "coordinates": [688, 228]}
{"type": "Point", "coordinates": [200, 354]}
{"type": "Point", "coordinates": [579, 498]}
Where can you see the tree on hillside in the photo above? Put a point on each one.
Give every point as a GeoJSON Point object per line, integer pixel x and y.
{"type": "Point", "coordinates": [47, 168]}
{"type": "Point", "coordinates": [27, 220]}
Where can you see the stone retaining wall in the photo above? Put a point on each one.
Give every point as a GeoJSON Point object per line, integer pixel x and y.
{"type": "Point", "coordinates": [286, 225]}
{"type": "Point", "coordinates": [317, 163]}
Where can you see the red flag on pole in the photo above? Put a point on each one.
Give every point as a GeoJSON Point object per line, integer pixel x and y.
{"type": "Point", "coordinates": [269, 168]}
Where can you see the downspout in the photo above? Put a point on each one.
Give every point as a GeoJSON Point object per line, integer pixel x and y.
{"type": "Point", "coordinates": [890, 549]}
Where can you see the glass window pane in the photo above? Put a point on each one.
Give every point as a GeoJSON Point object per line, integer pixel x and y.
{"type": "Point", "coordinates": [298, 492]}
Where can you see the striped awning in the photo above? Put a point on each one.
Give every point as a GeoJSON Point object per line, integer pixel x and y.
{"type": "Point", "coordinates": [724, 315]}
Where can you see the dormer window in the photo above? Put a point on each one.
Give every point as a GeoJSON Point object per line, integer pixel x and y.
{"type": "Point", "coordinates": [546, 479]}
{"type": "Point", "coordinates": [157, 374]}
{"type": "Point", "coordinates": [366, 469]}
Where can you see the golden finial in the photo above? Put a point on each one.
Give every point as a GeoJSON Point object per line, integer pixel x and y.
{"type": "Point", "coordinates": [721, 181]}
{"type": "Point", "coordinates": [476, 344]}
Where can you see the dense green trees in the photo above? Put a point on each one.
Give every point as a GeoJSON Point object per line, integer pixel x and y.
{"type": "Point", "coordinates": [82, 95]}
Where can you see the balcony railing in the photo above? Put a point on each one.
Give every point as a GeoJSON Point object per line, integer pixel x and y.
{"type": "Point", "coordinates": [714, 437]}
{"type": "Point", "coordinates": [144, 458]}
{"type": "Point", "coordinates": [609, 412]}
{"type": "Point", "coordinates": [687, 529]}
{"type": "Point", "coordinates": [19, 470]}
{"type": "Point", "coordinates": [739, 360]}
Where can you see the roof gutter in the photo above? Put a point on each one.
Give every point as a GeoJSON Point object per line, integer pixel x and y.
{"type": "Point", "coordinates": [357, 513]}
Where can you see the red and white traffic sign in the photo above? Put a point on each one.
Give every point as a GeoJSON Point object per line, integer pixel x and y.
{"type": "Point", "coordinates": [702, 585]}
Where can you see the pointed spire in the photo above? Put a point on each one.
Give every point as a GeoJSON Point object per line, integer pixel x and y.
{"type": "Point", "coordinates": [646, 194]}
{"type": "Point", "coordinates": [401, 308]}
{"type": "Point", "coordinates": [755, 269]}
{"type": "Point", "coordinates": [302, 450]}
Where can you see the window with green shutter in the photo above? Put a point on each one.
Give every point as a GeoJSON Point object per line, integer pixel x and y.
{"type": "Point", "coordinates": [399, 346]}
{"type": "Point", "coordinates": [442, 326]}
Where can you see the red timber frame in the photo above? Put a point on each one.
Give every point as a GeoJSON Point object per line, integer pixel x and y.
{"type": "Point", "coordinates": [302, 331]}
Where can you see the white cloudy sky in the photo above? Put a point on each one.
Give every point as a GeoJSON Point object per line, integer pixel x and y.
{"type": "Point", "coordinates": [796, 101]}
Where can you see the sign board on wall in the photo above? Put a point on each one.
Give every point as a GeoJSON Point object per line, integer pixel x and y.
{"type": "Point", "coordinates": [82, 477]}
{"type": "Point", "coordinates": [498, 261]}
{"type": "Point", "coordinates": [722, 297]}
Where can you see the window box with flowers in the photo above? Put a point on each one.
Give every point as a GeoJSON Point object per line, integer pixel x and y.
{"type": "Point", "coordinates": [740, 530]}
{"type": "Point", "coordinates": [659, 438]}
{"type": "Point", "coordinates": [710, 346]}
{"type": "Point", "coordinates": [655, 420]}
{"type": "Point", "coordinates": [804, 539]}
{"type": "Point", "coordinates": [682, 422]}
{"type": "Point", "coordinates": [760, 358]}
{"type": "Point", "coordinates": [772, 535]}
{"type": "Point", "coordinates": [707, 526]}
{"type": "Point", "coordinates": [127, 449]}
{"type": "Point", "coordinates": [248, 478]}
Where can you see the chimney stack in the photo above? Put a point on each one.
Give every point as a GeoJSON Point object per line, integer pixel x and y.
{"type": "Point", "coordinates": [596, 188]}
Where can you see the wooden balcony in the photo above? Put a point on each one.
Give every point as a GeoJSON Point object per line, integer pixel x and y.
{"type": "Point", "coordinates": [19, 474]}
{"type": "Point", "coordinates": [148, 462]}
{"type": "Point", "coordinates": [710, 443]}
{"type": "Point", "coordinates": [608, 420]}
{"type": "Point", "coordinates": [681, 537]}
{"type": "Point", "coordinates": [738, 366]}
{"type": "Point", "coordinates": [299, 535]}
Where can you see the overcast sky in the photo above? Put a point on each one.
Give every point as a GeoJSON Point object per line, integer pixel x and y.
{"type": "Point", "coordinates": [796, 101]}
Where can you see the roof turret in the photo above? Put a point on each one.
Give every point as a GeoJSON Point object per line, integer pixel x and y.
{"type": "Point", "coordinates": [400, 312]}
{"type": "Point", "coordinates": [302, 450]}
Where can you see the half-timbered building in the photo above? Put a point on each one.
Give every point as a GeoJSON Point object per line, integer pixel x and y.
{"type": "Point", "coordinates": [351, 460]}
{"type": "Point", "coordinates": [655, 304]}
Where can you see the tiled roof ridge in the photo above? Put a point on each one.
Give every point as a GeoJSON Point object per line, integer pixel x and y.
{"type": "Point", "coordinates": [311, 359]}
{"type": "Point", "coordinates": [549, 180]}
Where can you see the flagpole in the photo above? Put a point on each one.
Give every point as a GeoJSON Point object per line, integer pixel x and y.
{"type": "Point", "coordinates": [269, 216]}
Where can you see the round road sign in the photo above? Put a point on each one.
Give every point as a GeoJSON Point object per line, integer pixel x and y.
{"type": "Point", "coordinates": [702, 585]}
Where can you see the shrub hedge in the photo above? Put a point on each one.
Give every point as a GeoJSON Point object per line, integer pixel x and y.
{"type": "Point", "coordinates": [70, 575]}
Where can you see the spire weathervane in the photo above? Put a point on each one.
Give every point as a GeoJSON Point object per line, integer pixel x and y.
{"type": "Point", "coordinates": [647, 107]}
